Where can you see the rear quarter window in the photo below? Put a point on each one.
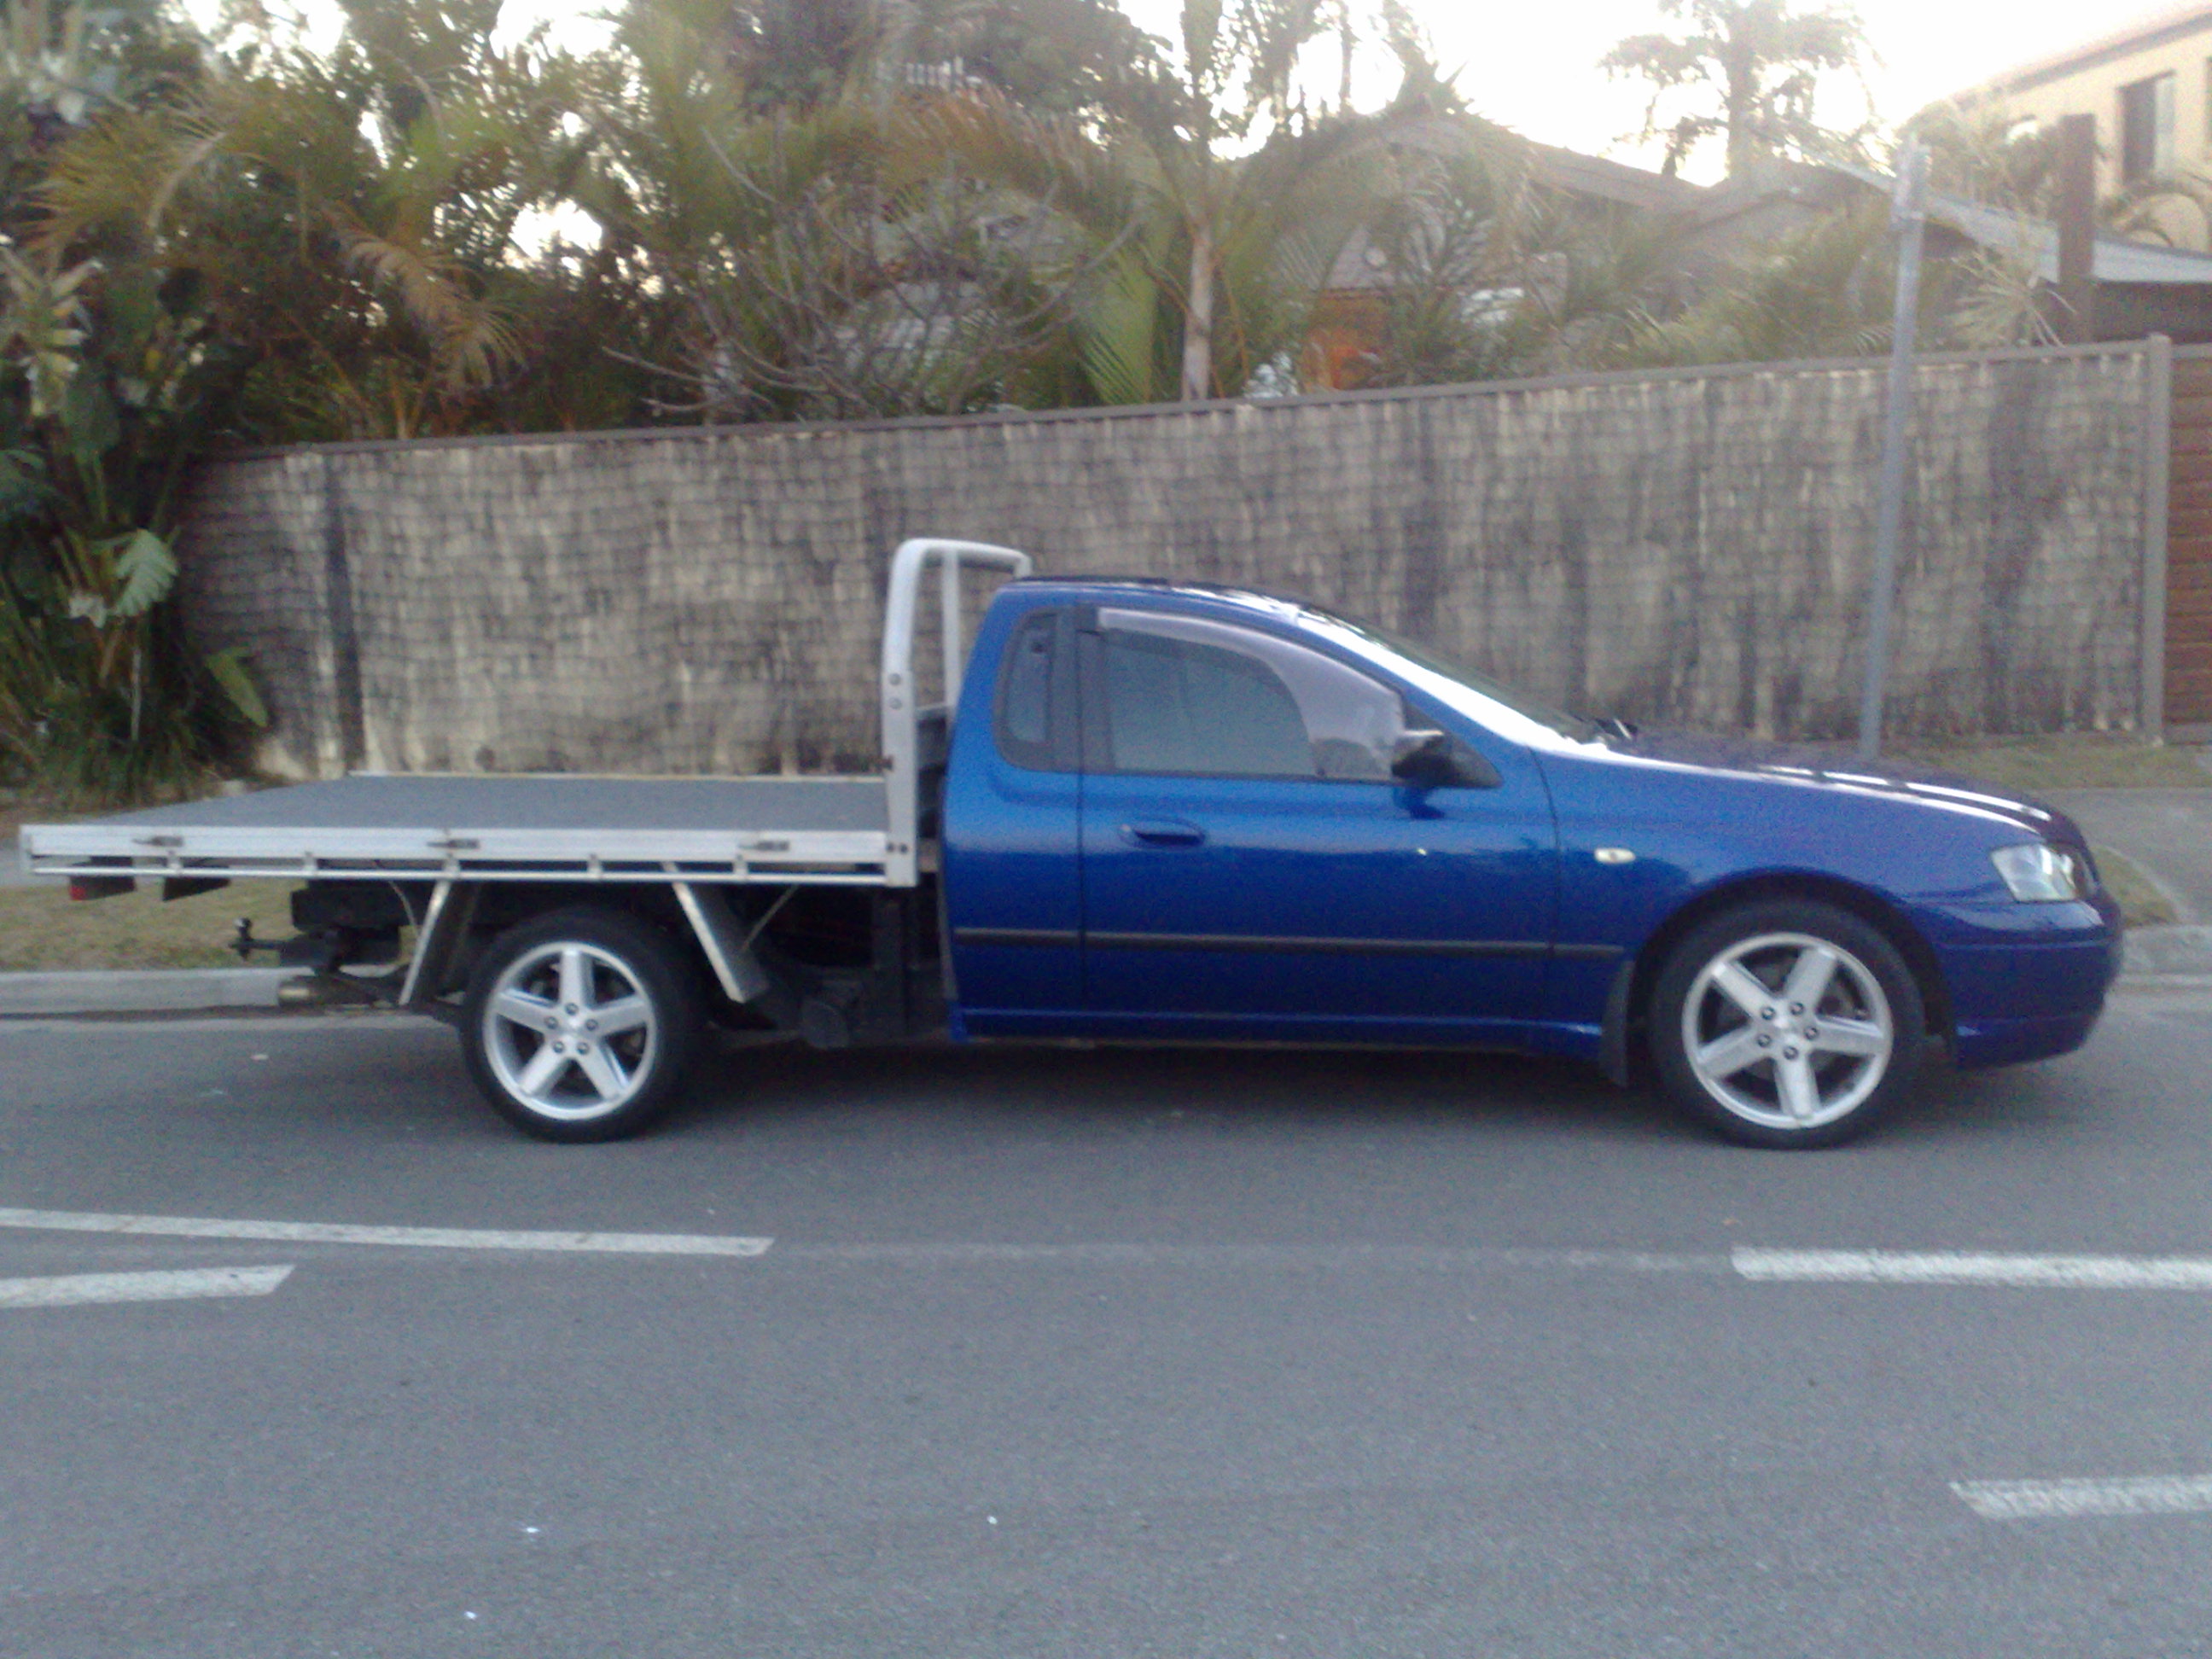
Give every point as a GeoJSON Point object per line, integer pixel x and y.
{"type": "Point", "coordinates": [1029, 716]}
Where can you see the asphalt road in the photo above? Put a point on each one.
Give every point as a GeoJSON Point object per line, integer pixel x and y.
{"type": "Point", "coordinates": [1090, 1355]}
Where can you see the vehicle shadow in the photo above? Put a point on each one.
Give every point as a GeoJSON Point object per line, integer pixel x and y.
{"type": "Point", "coordinates": [788, 1086]}
{"type": "Point", "coordinates": [1132, 1088]}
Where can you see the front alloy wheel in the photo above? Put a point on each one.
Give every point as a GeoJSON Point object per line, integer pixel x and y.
{"type": "Point", "coordinates": [1788, 1025]}
{"type": "Point", "coordinates": [579, 1024]}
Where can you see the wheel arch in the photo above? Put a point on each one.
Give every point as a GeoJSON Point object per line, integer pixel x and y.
{"type": "Point", "coordinates": [501, 906]}
{"type": "Point", "coordinates": [1628, 1007]}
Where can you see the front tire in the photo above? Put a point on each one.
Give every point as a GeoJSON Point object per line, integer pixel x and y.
{"type": "Point", "coordinates": [1787, 1023]}
{"type": "Point", "coordinates": [579, 1025]}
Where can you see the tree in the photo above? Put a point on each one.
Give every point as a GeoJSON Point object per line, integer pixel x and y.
{"type": "Point", "coordinates": [804, 236]}
{"type": "Point", "coordinates": [1241, 195]}
{"type": "Point", "coordinates": [1490, 271]}
{"type": "Point", "coordinates": [1257, 228]}
{"type": "Point", "coordinates": [359, 226]}
{"type": "Point", "coordinates": [1746, 72]}
{"type": "Point", "coordinates": [867, 274]}
{"type": "Point", "coordinates": [204, 247]}
{"type": "Point", "coordinates": [1822, 291]}
{"type": "Point", "coordinates": [103, 374]}
{"type": "Point", "coordinates": [1158, 218]}
{"type": "Point", "coordinates": [1989, 156]}
{"type": "Point", "coordinates": [1827, 290]}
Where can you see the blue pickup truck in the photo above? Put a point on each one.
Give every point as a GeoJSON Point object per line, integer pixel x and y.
{"type": "Point", "coordinates": [1151, 810]}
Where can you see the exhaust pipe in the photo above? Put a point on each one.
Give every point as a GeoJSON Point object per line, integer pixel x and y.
{"type": "Point", "coordinates": [325, 991]}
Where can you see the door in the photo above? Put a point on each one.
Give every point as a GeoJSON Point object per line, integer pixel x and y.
{"type": "Point", "coordinates": [1251, 868]}
{"type": "Point", "coordinates": [1012, 891]}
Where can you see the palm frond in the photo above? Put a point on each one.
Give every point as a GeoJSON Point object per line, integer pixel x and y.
{"type": "Point", "coordinates": [1117, 332]}
{"type": "Point", "coordinates": [473, 341]}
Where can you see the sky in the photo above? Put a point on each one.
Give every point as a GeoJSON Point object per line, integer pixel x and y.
{"type": "Point", "coordinates": [1532, 64]}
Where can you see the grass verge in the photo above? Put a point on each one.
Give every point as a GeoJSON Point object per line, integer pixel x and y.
{"type": "Point", "coordinates": [2141, 901]}
{"type": "Point", "coordinates": [43, 930]}
{"type": "Point", "coordinates": [2073, 760]}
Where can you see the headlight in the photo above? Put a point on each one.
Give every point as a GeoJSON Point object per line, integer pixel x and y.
{"type": "Point", "coordinates": [2042, 873]}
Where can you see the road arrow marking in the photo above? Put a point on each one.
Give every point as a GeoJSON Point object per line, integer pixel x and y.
{"type": "Point", "coordinates": [79, 1290]}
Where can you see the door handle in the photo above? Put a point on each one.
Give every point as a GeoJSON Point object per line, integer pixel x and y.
{"type": "Point", "coordinates": [1162, 832]}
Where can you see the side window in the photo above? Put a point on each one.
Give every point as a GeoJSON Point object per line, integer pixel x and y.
{"type": "Point", "coordinates": [1027, 687]}
{"type": "Point", "coordinates": [1184, 695]}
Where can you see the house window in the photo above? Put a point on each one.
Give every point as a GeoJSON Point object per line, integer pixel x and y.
{"type": "Point", "coordinates": [2147, 129]}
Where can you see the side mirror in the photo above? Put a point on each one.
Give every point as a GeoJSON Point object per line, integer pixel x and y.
{"type": "Point", "coordinates": [1432, 760]}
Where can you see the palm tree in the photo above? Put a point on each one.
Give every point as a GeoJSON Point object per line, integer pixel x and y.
{"type": "Point", "coordinates": [1749, 72]}
{"type": "Point", "coordinates": [1823, 291]}
{"type": "Point", "coordinates": [1489, 271]}
{"type": "Point", "coordinates": [831, 252]}
{"type": "Point", "coordinates": [1252, 230]}
{"type": "Point", "coordinates": [354, 226]}
{"type": "Point", "coordinates": [1232, 198]}
{"type": "Point", "coordinates": [101, 376]}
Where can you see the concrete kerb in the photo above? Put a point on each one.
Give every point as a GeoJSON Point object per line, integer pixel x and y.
{"type": "Point", "coordinates": [140, 990]}
{"type": "Point", "coordinates": [2168, 953]}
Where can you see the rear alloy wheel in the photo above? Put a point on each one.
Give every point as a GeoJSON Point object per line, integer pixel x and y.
{"type": "Point", "coordinates": [1788, 1023]}
{"type": "Point", "coordinates": [580, 1026]}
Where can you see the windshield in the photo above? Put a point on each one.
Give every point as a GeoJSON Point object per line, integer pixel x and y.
{"type": "Point", "coordinates": [1380, 645]}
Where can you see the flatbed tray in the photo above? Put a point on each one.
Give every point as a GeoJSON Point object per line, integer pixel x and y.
{"type": "Point", "coordinates": [829, 829]}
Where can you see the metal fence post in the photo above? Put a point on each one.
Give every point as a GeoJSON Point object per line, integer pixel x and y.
{"type": "Point", "coordinates": [1908, 212]}
{"type": "Point", "coordinates": [2158, 474]}
{"type": "Point", "coordinates": [344, 633]}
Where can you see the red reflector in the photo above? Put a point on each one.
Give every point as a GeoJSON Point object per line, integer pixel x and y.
{"type": "Point", "coordinates": [99, 887]}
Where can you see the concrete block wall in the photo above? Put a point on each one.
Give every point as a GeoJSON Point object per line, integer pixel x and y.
{"type": "Point", "coordinates": [1689, 548]}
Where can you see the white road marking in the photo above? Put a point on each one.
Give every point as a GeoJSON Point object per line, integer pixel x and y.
{"type": "Point", "coordinates": [436, 1239]}
{"type": "Point", "coordinates": [1313, 1257]}
{"type": "Point", "coordinates": [76, 1290]}
{"type": "Point", "coordinates": [2083, 1272]}
{"type": "Point", "coordinates": [1798, 1267]}
{"type": "Point", "coordinates": [2031, 1500]}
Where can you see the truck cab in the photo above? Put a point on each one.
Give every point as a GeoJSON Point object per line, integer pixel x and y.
{"type": "Point", "coordinates": [1183, 813]}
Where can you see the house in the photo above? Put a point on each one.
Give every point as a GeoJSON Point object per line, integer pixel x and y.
{"type": "Point", "coordinates": [2147, 86]}
{"type": "Point", "coordinates": [2140, 288]}
{"type": "Point", "coordinates": [1350, 316]}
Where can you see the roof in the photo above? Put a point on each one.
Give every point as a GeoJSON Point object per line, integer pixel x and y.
{"type": "Point", "coordinates": [2116, 259]}
{"type": "Point", "coordinates": [1233, 592]}
{"type": "Point", "coordinates": [2160, 29]}
{"type": "Point", "coordinates": [1613, 181]}
{"type": "Point", "coordinates": [1361, 265]}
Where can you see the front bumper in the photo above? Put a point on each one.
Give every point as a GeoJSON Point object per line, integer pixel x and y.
{"type": "Point", "coordinates": [2028, 982]}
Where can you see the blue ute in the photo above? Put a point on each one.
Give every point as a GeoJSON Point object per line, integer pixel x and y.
{"type": "Point", "coordinates": [1174, 811]}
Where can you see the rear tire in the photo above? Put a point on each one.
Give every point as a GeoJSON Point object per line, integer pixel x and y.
{"type": "Point", "coordinates": [579, 1025]}
{"type": "Point", "coordinates": [1787, 1023]}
